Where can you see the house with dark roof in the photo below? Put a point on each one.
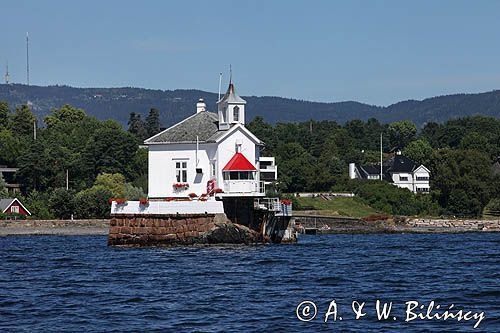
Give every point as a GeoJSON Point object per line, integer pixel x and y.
{"type": "Point", "coordinates": [13, 206]}
{"type": "Point", "coordinates": [398, 170]}
{"type": "Point", "coordinates": [208, 152]}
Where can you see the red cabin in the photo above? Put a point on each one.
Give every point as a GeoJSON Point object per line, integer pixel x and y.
{"type": "Point", "coordinates": [13, 206]}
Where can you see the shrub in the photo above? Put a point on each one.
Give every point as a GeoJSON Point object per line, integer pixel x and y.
{"type": "Point", "coordinates": [62, 203]}
{"type": "Point", "coordinates": [93, 203]}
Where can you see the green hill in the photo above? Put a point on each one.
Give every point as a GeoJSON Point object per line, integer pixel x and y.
{"type": "Point", "coordinates": [175, 105]}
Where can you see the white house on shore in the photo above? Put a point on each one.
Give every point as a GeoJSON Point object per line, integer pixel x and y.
{"type": "Point", "coordinates": [398, 170]}
{"type": "Point", "coordinates": [209, 153]}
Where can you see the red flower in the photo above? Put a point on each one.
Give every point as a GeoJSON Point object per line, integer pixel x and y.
{"type": "Point", "coordinates": [203, 199]}
{"type": "Point", "coordinates": [120, 200]}
{"type": "Point", "coordinates": [193, 195]}
{"type": "Point", "coordinates": [143, 201]}
{"type": "Point", "coordinates": [286, 202]}
{"type": "Point", "coordinates": [218, 190]}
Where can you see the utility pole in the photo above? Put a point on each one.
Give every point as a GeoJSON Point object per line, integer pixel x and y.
{"type": "Point", "coordinates": [34, 130]}
{"type": "Point", "coordinates": [380, 156]}
{"type": "Point", "coordinates": [67, 180]}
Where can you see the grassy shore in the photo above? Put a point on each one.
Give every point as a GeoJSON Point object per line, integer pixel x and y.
{"type": "Point", "coordinates": [351, 207]}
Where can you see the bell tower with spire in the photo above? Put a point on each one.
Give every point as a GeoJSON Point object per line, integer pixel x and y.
{"type": "Point", "coordinates": [231, 108]}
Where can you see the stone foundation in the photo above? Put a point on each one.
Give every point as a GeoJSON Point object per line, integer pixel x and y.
{"type": "Point", "coordinates": [169, 230]}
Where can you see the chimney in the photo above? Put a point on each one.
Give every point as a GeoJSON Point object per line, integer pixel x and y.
{"type": "Point", "coordinates": [352, 171]}
{"type": "Point", "coordinates": [201, 106]}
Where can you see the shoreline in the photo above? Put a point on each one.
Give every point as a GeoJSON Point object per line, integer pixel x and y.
{"type": "Point", "coordinates": [337, 225]}
{"type": "Point", "coordinates": [54, 227]}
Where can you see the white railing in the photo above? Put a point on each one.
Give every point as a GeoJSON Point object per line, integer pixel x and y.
{"type": "Point", "coordinates": [274, 205]}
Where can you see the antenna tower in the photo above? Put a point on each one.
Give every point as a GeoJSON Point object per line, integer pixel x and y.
{"type": "Point", "coordinates": [27, 60]}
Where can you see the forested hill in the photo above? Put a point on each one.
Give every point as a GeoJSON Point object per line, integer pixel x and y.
{"type": "Point", "coordinates": [175, 105]}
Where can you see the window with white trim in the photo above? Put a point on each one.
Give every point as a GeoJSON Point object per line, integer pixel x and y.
{"type": "Point", "coordinates": [236, 113]}
{"type": "Point", "coordinates": [212, 166]}
{"type": "Point", "coordinates": [14, 209]}
{"type": "Point", "coordinates": [403, 178]}
{"type": "Point", "coordinates": [181, 171]}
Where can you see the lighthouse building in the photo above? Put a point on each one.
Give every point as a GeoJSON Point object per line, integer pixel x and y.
{"type": "Point", "coordinates": [208, 154]}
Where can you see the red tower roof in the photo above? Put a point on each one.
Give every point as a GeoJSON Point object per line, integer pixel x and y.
{"type": "Point", "coordinates": [239, 163]}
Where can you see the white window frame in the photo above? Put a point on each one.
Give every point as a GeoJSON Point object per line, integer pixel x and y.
{"type": "Point", "coordinates": [213, 168]}
{"type": "Point", "coordinates": [14, 209]}
{"type": "Point", "coordinates": [181, 171]}
{"type": "Point", "coordinates": [236, 112]}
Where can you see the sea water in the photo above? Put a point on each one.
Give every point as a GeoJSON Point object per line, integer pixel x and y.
{"type": "Point", "coordinates": [77, 283]}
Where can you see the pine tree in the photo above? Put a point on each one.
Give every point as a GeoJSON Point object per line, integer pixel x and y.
{"type": "Point", "coordinates": [153, 122]}
{"type": "Point", "coordinates": [22, 121]}
{"type": "Point", "coordinates": [136, 126]}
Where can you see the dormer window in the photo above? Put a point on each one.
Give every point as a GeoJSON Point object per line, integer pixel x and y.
{"type": "Point", "coordinates": [236, 113]}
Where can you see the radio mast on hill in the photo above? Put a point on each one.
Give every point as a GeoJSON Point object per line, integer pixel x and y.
{"type": "Point", "coordinates": [27, 60]}
{"type": "Point", "coordinates": [7, 77]}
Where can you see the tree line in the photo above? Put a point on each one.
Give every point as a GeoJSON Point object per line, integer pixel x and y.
{"type": "Point", "coordinates": [76, 162]}
{"type": "Point", "coordinates": [72, 163]}
{"type": "Point", "coordinates": [313, 156]}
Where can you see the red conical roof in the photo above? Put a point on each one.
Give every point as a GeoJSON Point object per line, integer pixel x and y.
{"type": "Point", "coordinates": [239, 163]}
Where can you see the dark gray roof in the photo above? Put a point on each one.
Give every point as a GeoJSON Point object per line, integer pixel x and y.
{"type": "Point", "coordinates": [4, 203]}
{"type": "Point", "coordinates": [373, 170]}
{"type": "Point", "coordinates": [204, 124]}
{"type": "Point", "coordinates": [400, 163]}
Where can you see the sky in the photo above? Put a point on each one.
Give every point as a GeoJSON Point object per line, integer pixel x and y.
{"type": "Point", "coordinates": [376, 52]}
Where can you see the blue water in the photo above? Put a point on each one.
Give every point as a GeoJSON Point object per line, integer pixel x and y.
{"type": "Point", "coordinates": [61, 283]}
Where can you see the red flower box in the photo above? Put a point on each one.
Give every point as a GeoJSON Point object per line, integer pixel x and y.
{"type": "Point", "coordinates": [218, 190]}
{"type": "Point", "coordinates": [193, 195]}
{"type": "Point", "coordinates": [180, 185]}
{"type": "Point", "coordinates": [203, 199]}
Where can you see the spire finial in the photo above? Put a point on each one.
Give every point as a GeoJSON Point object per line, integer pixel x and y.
{"type": "Point", "coordinates": [230, 74]}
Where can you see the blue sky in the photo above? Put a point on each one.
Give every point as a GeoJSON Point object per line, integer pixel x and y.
{"type": "Point", "coordinates": [377, 52]}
